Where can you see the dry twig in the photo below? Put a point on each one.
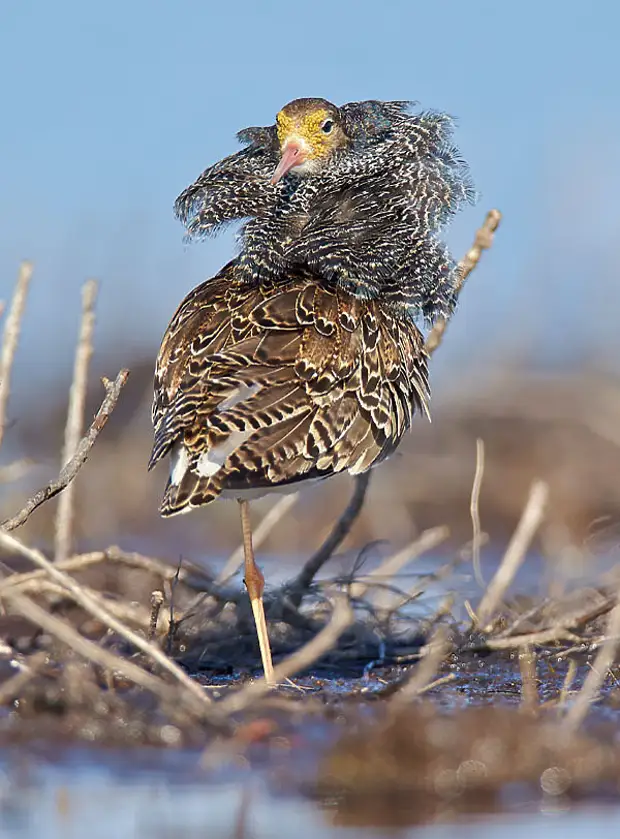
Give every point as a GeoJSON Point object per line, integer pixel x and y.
{"type": "Point", "coordinates": [390, 566]}
{"type": "Point", "coordinates": [75, 419]}
{"type": "Point", "coordinates": [529, 681]}
{"type": "Point", "coordinates": [98, 611]}
{"type": "Point", "coordinates": [133, 614]}
{"type": "Point", "coordinates": [595, 678]}
{"type": "Point", "coordinates": [569, 678]}
{"type": "Point", "coordinates": [192, 578]}
{"type": "Point", "coordinates": [474, 509]}
{"type": "Point", "coordinates": [10, 337]}
{"type": "Point", "coordinates": [88, 649]}
{"type": "Point", "coordinates": [157, 599]}
{"type": "Point", "coordinates": [482, 242]}
{"type": "Point", "coordinates": [432, 655]}
{"type": "Point", "coordinates": [70, 470]}
{"type": "Point", "coordinates": [532, 516]}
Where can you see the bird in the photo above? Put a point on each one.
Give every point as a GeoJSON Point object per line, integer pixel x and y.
{"type": "Point", "coordinates": [303, 357]}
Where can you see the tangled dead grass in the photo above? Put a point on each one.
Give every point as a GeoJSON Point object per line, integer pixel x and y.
{"type": "Point", "coordinates": [119, 647]}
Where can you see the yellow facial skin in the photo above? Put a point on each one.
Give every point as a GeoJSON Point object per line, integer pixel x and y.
{"type": "Point", "coordinates": [306, 129]}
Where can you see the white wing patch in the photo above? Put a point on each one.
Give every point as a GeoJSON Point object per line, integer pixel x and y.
{"type": "Point", "coordinates": [179, 461]}
{"type": "Point", "coordinates": [240, 394]}
{"type": "Point", "coordinates": [210, 462]}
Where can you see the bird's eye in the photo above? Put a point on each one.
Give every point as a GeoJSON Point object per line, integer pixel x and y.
{"type": "Point", "coordinates": [327, 126]}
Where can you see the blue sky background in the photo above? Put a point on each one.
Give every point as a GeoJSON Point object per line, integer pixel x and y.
{"type": "Point", "coordinates": [111, 109]}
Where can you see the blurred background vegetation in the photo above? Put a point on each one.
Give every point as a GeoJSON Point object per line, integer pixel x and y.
{"type": "Point", "coordinates": [110, 111]}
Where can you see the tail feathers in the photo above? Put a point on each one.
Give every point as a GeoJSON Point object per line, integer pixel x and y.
{"type": "Point", "coordinates": [165, 438]}
{"type": "Point", "coordinates": [192, 491]}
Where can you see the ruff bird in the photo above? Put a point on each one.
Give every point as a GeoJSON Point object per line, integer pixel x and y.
{"type": "Point", "coordinates": [303, 358]}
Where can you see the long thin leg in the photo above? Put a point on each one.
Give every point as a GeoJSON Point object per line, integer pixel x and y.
{"type": "Point", "coordinates": [255, 584]}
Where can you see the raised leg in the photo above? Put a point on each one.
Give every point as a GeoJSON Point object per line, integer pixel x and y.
{"type": "Point", "coordinates": [255, 584]}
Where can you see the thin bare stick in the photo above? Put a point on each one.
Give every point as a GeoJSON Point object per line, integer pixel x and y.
{"type": "Point", "coordinates": [569, 678]}
{"type": "Point", "coordinates": [10, 337]}
{"type": "Point", "coordinates": [482, 242]}
{"type": "Point", "coordinates": [442, 573]}
{"type": "Point", "coordinates": [341, 619]}
{"type": "Point", "coordinates": [88, 649]}
{"type": "Point", "coordinates": [157, 599]}
{"type": "Point", "coordinates": [70, 470]}
{"type": "Point", "coordinates": [534, 639]}
{"type": "Point", "coordinates": [340, 531]}
{"type": "Point", "coordinates": [191, 578]}
{"type": "Point", "coordinates": [436, 683]}
{"type": "Point", "coordinates": [75, 419]}
{"type": "Point", "coordinates": [474, 509]}
{"type": "Point", "coordinates": [75, 563]}
{"type": "Point", "coordinates": [390, 566]}
{"type": "Point", "coordinates": [529, 682]}
{"type": "Point", "coordinates": [259, 534]}
{"type": "Point", "coordinates": [433, 655]}
{"type": "Point", "coordinates": [531, 517]}
{"type": "Point", "coordinates": [132, 614]}
{"type": "Point", "coordinates": [97, 610]}
{"type": "Point", "coordinates": [595, 678]}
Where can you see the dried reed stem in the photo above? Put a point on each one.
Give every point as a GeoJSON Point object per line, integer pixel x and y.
{"type": "Point", "coordinates": [432, 656]}
{"type": "Point", "coordinates": [529, 681]}
{"type": "Point", "coordinates": [70, 470]}
{"type": "Point", "coordinates": [75, 419]}
{"type": "Point", "coordinates": [98, 611]}
{"type": "Point", "coordinates": [534, 639]}
{"type": "Point", "coordinates": [89, 649]}
{"type": "Point", "coordinates": [595, 678]}
{"type": "Point", "coordinates": [132, 614]}
{"type": "Point", "coordinates": [157, 599]}
{"type": "Point", "coordinates": [474, 510]}
{"type": "Point", "coordinates": [79, 562]}
{"type": "Point", "coordinates": [10, 338]}
{"type": "Point", "coordinates": [482, 242]}
{"type": "Point", "coordinates": [390, 566]}
{"type": "Point", "coordinates": [531, 517]}
{"type": "Point", "coordinates": [569, 678]}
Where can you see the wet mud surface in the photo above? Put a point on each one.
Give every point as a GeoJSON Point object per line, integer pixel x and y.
{"type": "Point", "coordinates": [334, 752]}
{"type": "Point", "coordinates": [331, 756]}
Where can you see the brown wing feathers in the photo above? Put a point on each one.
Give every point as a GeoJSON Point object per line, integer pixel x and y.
{"type": "Point", "coordinates": [265, 385]}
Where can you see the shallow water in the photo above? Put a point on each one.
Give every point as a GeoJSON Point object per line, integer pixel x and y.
{"type": "Point", "coordinates": [81, 796]}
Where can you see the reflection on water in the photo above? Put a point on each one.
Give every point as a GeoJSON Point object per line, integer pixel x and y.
{"type": "Point", "coordinates": [80, 798]}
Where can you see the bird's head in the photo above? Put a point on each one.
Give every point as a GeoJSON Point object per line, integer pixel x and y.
{"type": "Point", "coordinates": [309, 132]}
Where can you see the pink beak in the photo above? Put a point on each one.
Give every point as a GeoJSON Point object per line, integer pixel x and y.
{"type": "Point", "coordinates": [292, 156]}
